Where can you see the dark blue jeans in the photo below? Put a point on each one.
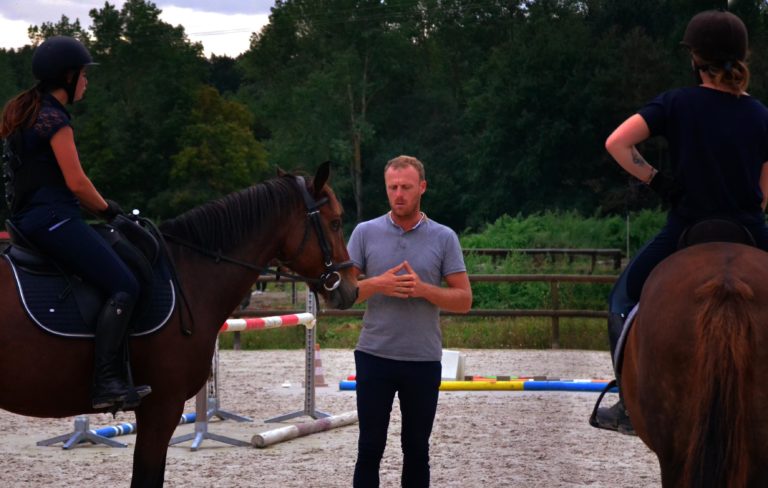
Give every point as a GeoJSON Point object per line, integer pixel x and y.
{"type": "Point", "coordinates": [417, 385]}
{"type": "Point", "coordinates": [626, 291]}
{"type": "Point", "coordinates": [72, 243]}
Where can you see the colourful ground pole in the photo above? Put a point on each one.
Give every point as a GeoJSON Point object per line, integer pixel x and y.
{"type": "Point", "coordinates": [515, 385]}
{"type": "Point", "coordinates": [482, 385]}
{"type": "Point", "coordinates": [565, 386]}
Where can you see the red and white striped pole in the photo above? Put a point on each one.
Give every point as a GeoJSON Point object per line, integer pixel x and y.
{"type": "Point", "coordinates": [257, 323]}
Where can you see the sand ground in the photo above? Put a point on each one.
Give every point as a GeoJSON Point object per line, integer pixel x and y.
{"type": "Point", "coordinates": [480, 439]}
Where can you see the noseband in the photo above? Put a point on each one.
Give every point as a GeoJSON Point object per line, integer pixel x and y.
{"type": "Point", "coordinates": [331, 278]}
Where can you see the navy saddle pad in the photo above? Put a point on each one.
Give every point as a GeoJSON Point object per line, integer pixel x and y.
{"type": "Point", "coordinates": [66, 306]}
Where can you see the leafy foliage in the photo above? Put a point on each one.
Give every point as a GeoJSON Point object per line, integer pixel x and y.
{"type": "Point", "coordinates": [507, 103]}
{"type": "Point", "coordinates": [219, 154]}
{"type": "Point", "coordinates": [551, 229]}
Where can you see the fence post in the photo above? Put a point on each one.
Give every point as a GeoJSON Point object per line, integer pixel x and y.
{"type": "Point", "coordinates": [554, 291]}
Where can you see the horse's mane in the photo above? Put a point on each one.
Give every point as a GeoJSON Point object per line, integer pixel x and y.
{"type": "Point", "coordinates": [223, 224]}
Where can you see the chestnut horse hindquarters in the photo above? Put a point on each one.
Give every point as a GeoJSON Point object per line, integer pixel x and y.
{"type": "Point", "coordinates": [693, 362]}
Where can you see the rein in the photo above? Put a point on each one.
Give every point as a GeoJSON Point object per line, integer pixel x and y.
{"type": "Point", "coordinates": [218, 257]}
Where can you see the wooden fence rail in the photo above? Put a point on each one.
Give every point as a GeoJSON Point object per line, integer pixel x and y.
{"type": "Point", "coordinates": [554, 312]}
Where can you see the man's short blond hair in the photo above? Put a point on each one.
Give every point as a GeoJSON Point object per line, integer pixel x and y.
{"type": "Point", "coordinates": [405, 161]}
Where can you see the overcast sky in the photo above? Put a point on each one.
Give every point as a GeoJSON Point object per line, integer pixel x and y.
{"type": "Point", "coordinates": [223, 26]}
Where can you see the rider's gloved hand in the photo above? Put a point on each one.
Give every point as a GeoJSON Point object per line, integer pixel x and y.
{"type": "Point", "coordinates": [113, 210]}
{"type": "Point", "coordinates": [666, 187]}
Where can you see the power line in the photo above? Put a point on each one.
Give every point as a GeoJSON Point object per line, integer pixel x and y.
{"type": "Point", "coordinates": [221, 32]}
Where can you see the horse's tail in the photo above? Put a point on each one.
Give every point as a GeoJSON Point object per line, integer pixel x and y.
{"type": "Point", "coordinates": [718, 453]}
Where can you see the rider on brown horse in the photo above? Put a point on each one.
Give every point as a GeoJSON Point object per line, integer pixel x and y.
{"type": "Point", "coordinates": [45, 190]}
{"type": "Point", "coordinates": [718, 142]}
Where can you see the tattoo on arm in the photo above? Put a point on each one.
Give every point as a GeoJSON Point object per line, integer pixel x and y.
{"type": "Point", "coordinates": [637, 158]}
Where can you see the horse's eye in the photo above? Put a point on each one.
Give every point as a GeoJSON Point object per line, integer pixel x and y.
{"type": "Point", "coordinates": [335, 225]}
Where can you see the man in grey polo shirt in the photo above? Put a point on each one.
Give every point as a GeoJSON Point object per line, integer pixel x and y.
{"type": "Point", "coordinates": [405, 257]}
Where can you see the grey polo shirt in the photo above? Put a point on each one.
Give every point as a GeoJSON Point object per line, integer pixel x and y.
{"type": "Point", "coordinates": [396, 328]}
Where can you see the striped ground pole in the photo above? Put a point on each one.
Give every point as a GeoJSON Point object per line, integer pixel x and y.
{"type": "Point", "coordinates": [259, 323]}
{"type": "Point", "coordinates": [282, 434]}
{"type": "Point", "coordinates": [127, 428]}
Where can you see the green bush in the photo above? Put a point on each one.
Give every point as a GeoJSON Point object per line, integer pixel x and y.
{"type": "Point", "coordinates": [569, 230]}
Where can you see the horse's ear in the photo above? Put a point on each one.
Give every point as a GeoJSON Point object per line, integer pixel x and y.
{"type": "Point", "coordinates": [321, 176]}
{"type": "Point", "coordinates": [280, 172]}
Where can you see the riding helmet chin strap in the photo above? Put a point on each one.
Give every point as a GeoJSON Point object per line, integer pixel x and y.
{"type": "Point", "coordinates": [697, 72]}
{"type": "Point", "coordinates": [71, 87]}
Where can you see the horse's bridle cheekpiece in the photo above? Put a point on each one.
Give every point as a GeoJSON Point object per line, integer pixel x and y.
{"type": "Point", "coordinates": [331, 278]}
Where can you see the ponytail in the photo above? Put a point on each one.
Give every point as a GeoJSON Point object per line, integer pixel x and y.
{"type": "Point", "coordinates": [20, 111]}
{"type": "Point", "coordinates": [734, 76]}
{"type": "Point", "coordinates": [731, 75]}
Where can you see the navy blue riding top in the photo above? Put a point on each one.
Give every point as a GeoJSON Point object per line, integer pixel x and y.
{"type": "Point", "coordinates": [39, 180]}
{"type": "Point", "coordinates": [48, 213]}
{"type": "Point", "coordinates": [718, 143]}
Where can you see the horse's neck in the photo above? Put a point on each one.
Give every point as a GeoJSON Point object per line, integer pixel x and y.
{"type": "Point", "coordinates": [215, 288]}
{"type": "Point", "coordinates": [252, 226]}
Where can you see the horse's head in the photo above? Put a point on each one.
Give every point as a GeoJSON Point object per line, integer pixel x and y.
{"type": "Point", "coordinates": [320, 253]}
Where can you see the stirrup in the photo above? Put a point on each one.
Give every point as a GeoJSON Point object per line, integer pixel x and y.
{"type": "Point", "coordinates": [102, 403]}
{"type": "Point", "coordinates": [621, 427]}
{"type": "Point", "coordinates": [133, 398]}
{"type": "Point", "coordinates": [593, 417]}
{"type": "Point", "coordinates": [130, 401]}
{"type": "Point", "coordinates": [614, 418]}
{"type": "Point", "coordinates": [132, 395]}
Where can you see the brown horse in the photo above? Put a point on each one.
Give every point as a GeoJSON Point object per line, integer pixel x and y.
{"type": "Point", "coordinates": [694, 367]}
{"type": "Point", "coordinates": [43, 375]}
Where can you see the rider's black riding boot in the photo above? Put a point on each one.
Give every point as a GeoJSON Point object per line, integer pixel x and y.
{"type": "Point", "coordinates": [109, 385]}
{"type": "Point", "coordinates": [615, 417]}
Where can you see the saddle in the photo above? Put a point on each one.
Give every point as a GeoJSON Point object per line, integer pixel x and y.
{"type": "Point", "coordinates": [715, 230]}
{"type": "Point", "coordinates": [62, 304]}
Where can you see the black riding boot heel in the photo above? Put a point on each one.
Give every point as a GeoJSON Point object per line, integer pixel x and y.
{"type": "Point", "coordinates": [109, 385]}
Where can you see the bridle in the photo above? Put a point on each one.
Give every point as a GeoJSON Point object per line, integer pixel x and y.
{"type": "Point", "coordinates": [331, 278]}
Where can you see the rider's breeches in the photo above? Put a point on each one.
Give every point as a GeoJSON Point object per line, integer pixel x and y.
{"type": "Point", "coordinates": [72, 243]}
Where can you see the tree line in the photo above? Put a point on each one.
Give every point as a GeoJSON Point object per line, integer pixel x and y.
{"type": "Point", "coordinates": [506, 102]}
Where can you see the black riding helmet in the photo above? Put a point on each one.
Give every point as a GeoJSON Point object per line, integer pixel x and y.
{"type": "Point", "coordinates": [717, 36]}
{"type": "Point", "coordinates": [55, 58]}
